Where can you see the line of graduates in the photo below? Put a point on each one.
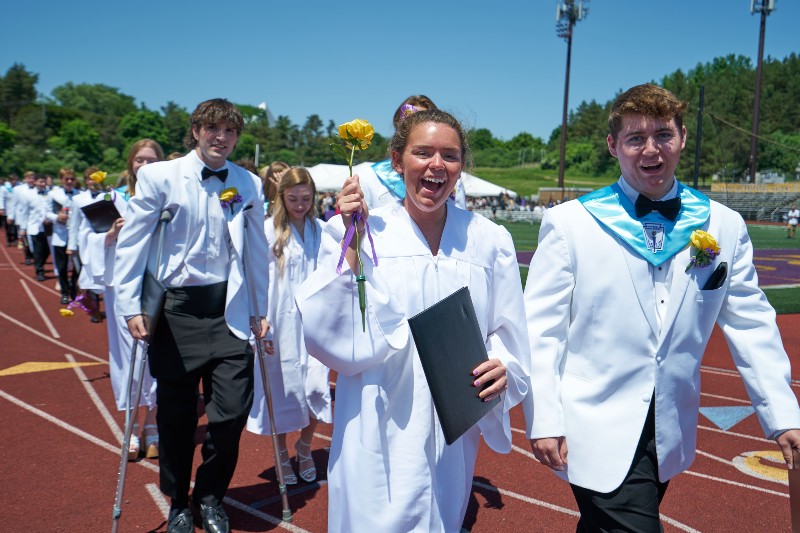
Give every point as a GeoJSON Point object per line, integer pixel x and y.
{"type": "Point", "coordinates": [603, 350]}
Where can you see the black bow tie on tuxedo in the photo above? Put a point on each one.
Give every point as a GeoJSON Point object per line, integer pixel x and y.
{"type": "Point", "coordinates": [668, 208]}
{"type": "Point", "coordinates": [221, 174]}
{"type": "Point", "coordinates": [42, 192]}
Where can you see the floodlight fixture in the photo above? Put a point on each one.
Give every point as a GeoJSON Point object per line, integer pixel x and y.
{"type": "Point", "coordinates": [568, 13]}
{"type": "Point", "coordinates": [764, 8]}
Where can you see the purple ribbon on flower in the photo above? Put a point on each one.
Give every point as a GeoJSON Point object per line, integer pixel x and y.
{"type": "Point", "coordinates": [349, 237]}
{"type": "Point", "coordinates": [79, 303]}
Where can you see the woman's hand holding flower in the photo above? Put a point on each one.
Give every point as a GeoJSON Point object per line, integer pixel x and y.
{"type": "Point", "coordinates": [350, 200]}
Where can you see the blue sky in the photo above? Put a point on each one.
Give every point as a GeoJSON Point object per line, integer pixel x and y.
{"type": "Point", "coordinates": [496, 65]}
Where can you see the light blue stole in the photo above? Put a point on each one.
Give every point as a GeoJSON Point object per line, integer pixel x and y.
{"type": "Point", "coordinates": [654, 237]}
{"type": "Point", "coordinates": [391, 179]}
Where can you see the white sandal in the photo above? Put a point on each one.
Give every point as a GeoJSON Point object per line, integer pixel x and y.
{"type": "Point", "coordinates": [309, 473]}
{"type": "Point", "coordinates": [289, 478]}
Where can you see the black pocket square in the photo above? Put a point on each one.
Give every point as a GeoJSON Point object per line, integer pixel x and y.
{"type": "Point", "coordinates": [717, 278]}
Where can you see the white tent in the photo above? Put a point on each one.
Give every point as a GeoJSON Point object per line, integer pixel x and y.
{"type": "Point", "coordinates": [475, 186]}
{"type": "Point", "coordinates": [328, 177]}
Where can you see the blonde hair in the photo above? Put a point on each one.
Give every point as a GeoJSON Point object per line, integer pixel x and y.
{"type": "Point", "coordinates": [293, 176]}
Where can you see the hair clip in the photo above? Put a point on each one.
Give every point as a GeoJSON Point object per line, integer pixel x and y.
{"type": "Point", "coordinates": [407, 109]}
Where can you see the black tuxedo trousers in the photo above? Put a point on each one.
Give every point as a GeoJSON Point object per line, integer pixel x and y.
{"type": "Point", "coordinates": [193, 344]}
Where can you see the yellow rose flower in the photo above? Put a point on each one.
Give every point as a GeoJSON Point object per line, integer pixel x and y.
{"type": "Point", "coordinates": [228, 195]}
{"type": "Point", "coordinates": [358, 130]}
{"type": "Point", "coordinates": [66, 312]}
{"type": "Point", "coordinates": [98, 177]}
{"type": "Point", "coordinates": [704, 241]}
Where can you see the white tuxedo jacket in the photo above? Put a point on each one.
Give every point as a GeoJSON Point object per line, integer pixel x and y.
{"type": "Point", "coordinates": [174, 186]}
{"type": "Point", "coordinates": [598, 354]}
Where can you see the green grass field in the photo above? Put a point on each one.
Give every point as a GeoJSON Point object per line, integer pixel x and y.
{"type": "Point", "coordinates": [526, 235]}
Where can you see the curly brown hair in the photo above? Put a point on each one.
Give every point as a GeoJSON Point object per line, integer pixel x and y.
{"type": "Point", "coordinates": [648, 100]}
{"type": "Point", "coordinates": [210, 113]}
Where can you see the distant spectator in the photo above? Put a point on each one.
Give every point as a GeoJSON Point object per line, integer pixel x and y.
{"type": "Point", "coordinates": [792, 215]}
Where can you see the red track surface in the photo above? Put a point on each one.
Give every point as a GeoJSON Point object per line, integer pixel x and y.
{"type": "Point", "coordinates": [60, 454]}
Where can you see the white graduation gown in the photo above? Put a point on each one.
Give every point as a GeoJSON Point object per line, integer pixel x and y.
{"type": "Point", "coordinates": [98, 264]}
{"type": "Point", "coordinates": [389, 468]}
{"type": "Point", "coordinates": [299, 384]}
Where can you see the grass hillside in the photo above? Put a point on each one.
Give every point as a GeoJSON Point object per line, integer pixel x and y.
{"type": "Point", "coordinates": [526, 181]}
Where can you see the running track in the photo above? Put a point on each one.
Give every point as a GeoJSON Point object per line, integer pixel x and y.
{"type": "Point", "coordinates": [60, 445]}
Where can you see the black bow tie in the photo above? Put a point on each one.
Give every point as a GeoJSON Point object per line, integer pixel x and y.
{"type": "Point", "coordinates": [95, 193]}
{"type": "Point", "coordinates": [221, 173]}
{"type": "Point", "coordinates": [42, 192]}
{"type": "Point", "coordinates": [668, 208]}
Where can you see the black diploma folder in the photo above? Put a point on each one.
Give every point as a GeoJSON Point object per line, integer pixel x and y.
{"type": "Point", "coordinates": [450, 346]}
{"type": "Point", "coordinates": [153, 295]}
{"type": "Point", "coordinates": [101, 215]}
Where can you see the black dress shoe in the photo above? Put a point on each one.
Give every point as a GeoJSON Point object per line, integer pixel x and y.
{"type": "Point", "coordinates": [182, 522]}
{"type": "Point", "coordinates": [64, 299]}
{"type": "Point", "coordinates": [29, 261]}
{"type": "Point", "coordinates": [40, 277]}
{"type": "Point", "coordinates": [214, 519]}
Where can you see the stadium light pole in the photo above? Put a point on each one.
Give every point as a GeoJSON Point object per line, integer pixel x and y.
{"type": "Point", "coordinates": [568, 13]}
{"type": "Point", "coordinates": [765, 7]}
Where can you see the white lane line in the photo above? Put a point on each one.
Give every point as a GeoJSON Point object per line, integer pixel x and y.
{"type": "Point", "coordinates": [734, 434]}
{"type": "Point", "coordinates": [274, 520]}
{"type": "Point", "coordinates": [679, 525]}
{"type": "Point", "coordinates": [158, 497]}
{"type": "Point", "coordinates": [564, 510]}
{"type": "Point", "coordinates": [104, 412]}
{"type": "Point", "coordinates": [526, 499]}
{"type": "Point", "coordinates": [726, 398]}
{"type": "Point", "coordinates": [23, 274]}
{"type": "Point", "coordinates": [146, 464]}
{"type": "Point", "coordinates": [50, 339]}
{"type": "Point", "coordinates": [715, 458]}
{"type": "Point", "coordinates": [526, 453]}
{"type": "Point", "coordinates": [60, 423]}
{"type": "Point", "coordinates": [38, 307]}
{"type": "Point", "coordinates": [736, 483]}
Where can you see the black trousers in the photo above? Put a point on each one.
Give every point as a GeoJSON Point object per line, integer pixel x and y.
{"type": "Point", "coordinates": [11, 232]}
{"type": "Point", "coordinates": [69, 284]}
{"type": "Point", "coordinates": [41, 251]}
{"type": "Point", "coordinates": [633, 507]}
{"type": "Point", "coordinates": [192, 344]}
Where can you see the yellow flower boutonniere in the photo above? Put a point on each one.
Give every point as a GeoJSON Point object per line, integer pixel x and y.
{"type": "Point", "coordinates": [229, 198]}
{"type": "Point", "coordinates": [705, 249]}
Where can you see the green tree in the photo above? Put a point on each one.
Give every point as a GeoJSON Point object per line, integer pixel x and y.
{"type": "Point", "coordinates": [78, 136]}
{"type": "Point", "coordinates": [17, 90]}
{"type": "Point", "coordinates": [176, 123]}
{"type": "Point", "coordinates": [142, 124]}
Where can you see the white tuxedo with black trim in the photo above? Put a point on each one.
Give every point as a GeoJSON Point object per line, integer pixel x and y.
{"type": "Point", "coordinates": [175, 186]}
{"type": "Point", "coordinates": [598, 354]}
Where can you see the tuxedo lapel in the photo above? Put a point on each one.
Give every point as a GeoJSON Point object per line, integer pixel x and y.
{"type": "Point", "coordinates": [639, 271]}
{"type": "Point", "coordinates": [677, 291]}
{"type": "Point", "coordinates": [236, 219]}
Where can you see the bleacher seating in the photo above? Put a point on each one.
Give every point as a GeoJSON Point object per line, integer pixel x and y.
{"type": "Point", "coordinates": [766, 206]}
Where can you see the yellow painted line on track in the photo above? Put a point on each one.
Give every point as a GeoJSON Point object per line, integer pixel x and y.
{"type": "Point", "coordinates": [33, 366]}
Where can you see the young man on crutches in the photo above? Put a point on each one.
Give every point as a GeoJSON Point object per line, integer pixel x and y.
{"type": "Point", "coordinates": [203, 334]}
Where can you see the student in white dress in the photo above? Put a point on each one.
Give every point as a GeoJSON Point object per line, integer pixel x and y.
{"type": "Point", "coordinates": [389, 468]}
{"type": "Point", "coordinates": [300, 384]}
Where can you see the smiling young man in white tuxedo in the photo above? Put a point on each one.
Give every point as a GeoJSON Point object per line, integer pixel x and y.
{"type": "Point", "coordinates": [620, 308]}
{"type": "Point", "coordinates": [204, 333]}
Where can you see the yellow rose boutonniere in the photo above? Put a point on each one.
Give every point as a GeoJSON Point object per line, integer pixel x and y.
{"type": "Point", "coordinates": [98, 177]}
{"type": "Point", "coordinates": [66, 313]}
{"type": "Point", "coordinates": [229, 198]}
{"type": "Point", "coordinates": [705, 249]}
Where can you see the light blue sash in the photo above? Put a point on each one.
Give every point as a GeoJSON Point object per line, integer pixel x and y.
{"type": "Point", "coordinates": [393, 181]}
{"type": "Point", "coordinates": [653, 236]}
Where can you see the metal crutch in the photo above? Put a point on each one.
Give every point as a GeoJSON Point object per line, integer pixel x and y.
{"type": "Point", "coordinates": [132, 410]}
{"type": "Point", "coordinates": [287, 512]}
